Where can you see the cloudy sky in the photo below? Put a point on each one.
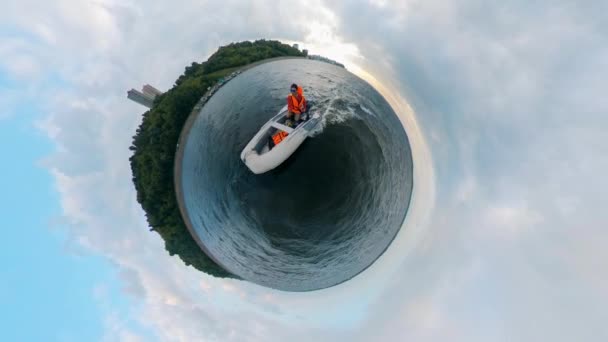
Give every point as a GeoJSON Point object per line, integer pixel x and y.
{"type": "Point", "coordinates": [505, 107]}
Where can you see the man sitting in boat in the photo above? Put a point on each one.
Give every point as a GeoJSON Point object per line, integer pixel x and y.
{"type": "Point", "coordinates": [296, 105]}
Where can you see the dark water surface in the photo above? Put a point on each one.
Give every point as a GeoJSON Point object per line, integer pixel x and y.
{"type": "Point", "coordinates": [324, 215]}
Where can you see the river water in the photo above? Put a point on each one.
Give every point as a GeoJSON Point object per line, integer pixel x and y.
{"type": "Point", "coordinates": [329, 211]}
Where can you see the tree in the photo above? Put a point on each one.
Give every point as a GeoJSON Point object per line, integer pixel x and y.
{"type": "Point", "coordinates": [154, 145]}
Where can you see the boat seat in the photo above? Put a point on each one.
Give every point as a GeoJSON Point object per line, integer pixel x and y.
{"type": "Point", "coordinates": [282, 127]}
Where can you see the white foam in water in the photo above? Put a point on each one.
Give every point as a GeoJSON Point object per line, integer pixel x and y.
{"type": "Point", "coordinates": [365, 109]}
{"type": "Point", "coordinates": [332, 116]}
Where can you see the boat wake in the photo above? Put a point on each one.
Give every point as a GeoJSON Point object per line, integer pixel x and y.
{"type": "Point", "coordinates": [330, 115]}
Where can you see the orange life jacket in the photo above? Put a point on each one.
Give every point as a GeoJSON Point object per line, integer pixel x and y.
{"type": "Point", "coordinates": [278, 137]}
{"type": "Point", "coordinates": [295, 105]}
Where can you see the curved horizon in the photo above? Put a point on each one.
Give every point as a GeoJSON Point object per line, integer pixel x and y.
{"type": "Point", "coordinates": [504, 110]}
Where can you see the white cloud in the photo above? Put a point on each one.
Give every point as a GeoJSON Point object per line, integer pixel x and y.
{"type": "Point", "coordinates": [16, 58]}
{"type": "Point", "coordinates": [517, 151]}
{"type": "Point", "coordinates": [91, 122]}
{"type": "Point", "coordinates": [512, 96]}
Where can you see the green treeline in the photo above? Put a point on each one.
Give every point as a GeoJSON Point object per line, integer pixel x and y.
{"type": "Point", "coordinates": [154, 144]}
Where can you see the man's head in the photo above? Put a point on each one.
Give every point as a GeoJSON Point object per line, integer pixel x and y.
{"type": "Point", "coordinates": [294, 88]}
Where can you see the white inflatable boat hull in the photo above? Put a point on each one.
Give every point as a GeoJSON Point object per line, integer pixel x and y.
{"type": "Point", "coordinates": [257, 155]}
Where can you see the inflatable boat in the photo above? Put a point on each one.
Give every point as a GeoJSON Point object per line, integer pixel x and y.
{"type": "Point", "coordinates": [275, 141]}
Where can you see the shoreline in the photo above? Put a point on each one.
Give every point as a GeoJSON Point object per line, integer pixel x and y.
{"type": "Point", "coordinates": [179, 156]}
